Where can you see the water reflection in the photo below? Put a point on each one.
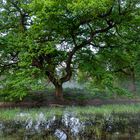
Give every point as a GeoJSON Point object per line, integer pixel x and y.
{"type": "Point", "coordinates": [70, 126]}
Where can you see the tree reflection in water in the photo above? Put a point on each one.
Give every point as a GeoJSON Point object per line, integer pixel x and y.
{"type": "Point", "coordinates": [70, 126]}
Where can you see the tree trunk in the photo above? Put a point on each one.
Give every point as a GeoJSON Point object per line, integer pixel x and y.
{"type": "Point", "coordinates": [132, 85]}
{"type": "Point", "coordinates": [59, 91]}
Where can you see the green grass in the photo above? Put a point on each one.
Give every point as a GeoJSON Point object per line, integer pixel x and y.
{"type": "Point", "coordinates": [106, 109]}
{"type": "Point", "coordinates": [11, 114]}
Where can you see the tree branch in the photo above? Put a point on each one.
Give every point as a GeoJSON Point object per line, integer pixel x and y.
{"type": "Point", "coordinates": [22, 15]}
{"type": "Point", "coordinates": [78, 47]}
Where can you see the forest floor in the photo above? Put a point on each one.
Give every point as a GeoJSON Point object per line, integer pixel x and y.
{"type": "Point", "coordinates": [57, 103]}
{"type": "Point", "coordinates": [71, 98]}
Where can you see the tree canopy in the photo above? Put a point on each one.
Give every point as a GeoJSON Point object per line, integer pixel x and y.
{"type": "Point", "coordinates": [46, 38]}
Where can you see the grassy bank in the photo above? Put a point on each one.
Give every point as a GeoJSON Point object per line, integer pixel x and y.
{"type": "Point", "coordinates": [107, 109]}
{"type": "Point", "coordinates": [11, 114]}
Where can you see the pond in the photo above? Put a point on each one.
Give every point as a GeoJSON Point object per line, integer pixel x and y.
{"type": "Point", "coordinates": [71, 126]}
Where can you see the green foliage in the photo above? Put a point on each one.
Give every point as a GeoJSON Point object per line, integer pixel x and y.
{"type": "Point", "coordinates": [19, 83]}
{"type": "Point", "coordinates": [49, 38]}
{"type": "Point", "coordinates": [116, 58]}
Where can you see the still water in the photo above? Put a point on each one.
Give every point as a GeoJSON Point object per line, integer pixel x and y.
{"type": "Point", "coordinates": [71, 126]}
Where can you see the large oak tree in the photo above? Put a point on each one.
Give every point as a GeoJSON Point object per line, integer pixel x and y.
{"type": "Point", "coordinates": [46, 35]}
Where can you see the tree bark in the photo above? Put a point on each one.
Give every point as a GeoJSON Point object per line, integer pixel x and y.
{"type": "Point", "coordinates": [57, 84]}
{"type": "Point", "coordinates": [132, 85]}
{"type": "Point", "coordinates": [59, 91]}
